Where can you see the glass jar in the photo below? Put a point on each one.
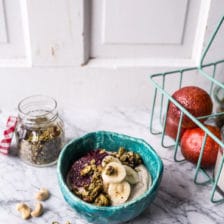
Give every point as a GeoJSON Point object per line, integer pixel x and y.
{"type": "Point", "coordinates": [219, 98]}
{"type": "Point", "coordinates": [40, 131]}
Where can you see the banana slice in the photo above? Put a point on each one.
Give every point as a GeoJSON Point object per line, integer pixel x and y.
{"type": "Point", "coordinates": [108, 159]}
{"type": "Point", "coordinates": [119, 192]}
{"type": "Point", "coordinates": [145, 181]}
{"type": "Point", "coordinates": [131, 175]}
{"type": "Point", "coordinates": [113, 173]}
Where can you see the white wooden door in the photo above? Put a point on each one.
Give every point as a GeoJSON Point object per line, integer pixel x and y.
{"type": "Point", "coordinates": [89, 53]}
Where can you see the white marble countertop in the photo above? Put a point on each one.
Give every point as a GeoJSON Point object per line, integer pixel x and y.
{"type": "Point", "coordinates": [179, 200]}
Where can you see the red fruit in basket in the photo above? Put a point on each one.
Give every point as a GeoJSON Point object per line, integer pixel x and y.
{"type": "Point", "coordinates": [172, 128]}
{"type": "Point", "coordinates": [195, 100]}
{"type": "Point", "coordinates": [191, 143]}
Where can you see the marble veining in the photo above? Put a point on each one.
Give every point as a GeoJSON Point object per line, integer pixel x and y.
{"type": "Point", "coordinates": [179, 200]}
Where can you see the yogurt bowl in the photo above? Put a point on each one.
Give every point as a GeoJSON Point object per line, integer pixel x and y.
{"type": "Point", "coordinates": [110, 141]}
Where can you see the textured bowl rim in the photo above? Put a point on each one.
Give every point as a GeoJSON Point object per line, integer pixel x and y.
{"type": "Point", "coordinates": [73, 197]}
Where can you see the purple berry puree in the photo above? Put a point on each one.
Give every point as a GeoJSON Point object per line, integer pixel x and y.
{"type": "Point", "coordinates": [75, 178]}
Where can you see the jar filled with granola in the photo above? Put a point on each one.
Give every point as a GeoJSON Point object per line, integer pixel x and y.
{"type": "Point", "coordinates": [40, 131]}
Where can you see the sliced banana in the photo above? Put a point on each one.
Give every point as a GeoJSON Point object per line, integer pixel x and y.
{"type": "Point", "coordinates": [119, 192]}
{"type": "Point", "coordinates": [131, 175]}
{"type": "Point", "coordinates": [108, 159]}
{"type": "Point", "coordinates": [145, 180]}
{"type": "Point", "coordinates": [113, 173]}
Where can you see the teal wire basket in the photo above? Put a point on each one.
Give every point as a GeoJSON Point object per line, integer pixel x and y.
{"type": "Point", "coordinates": [164, 85]}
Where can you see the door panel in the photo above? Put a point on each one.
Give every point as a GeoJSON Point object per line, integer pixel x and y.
{"type": "Point", "coordinates": [3, 31]}
{"type": "Point", "coordinates": [147, 29]}
{"type": "Point", "coordinates": [143, 22]}
{"type": "Point", "coordinates": [12, 32]}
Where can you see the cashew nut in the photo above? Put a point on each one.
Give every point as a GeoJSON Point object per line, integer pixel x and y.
{"type": "Point", "coordinates": [38, 210]}
{"type": "Point", "coordinates": [24, 209]}
{"type": "Point", "coordinates": [42, 194]}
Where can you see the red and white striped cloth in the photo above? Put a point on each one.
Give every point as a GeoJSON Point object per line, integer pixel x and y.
{"type": "Point", "coordinates": [8, 134]}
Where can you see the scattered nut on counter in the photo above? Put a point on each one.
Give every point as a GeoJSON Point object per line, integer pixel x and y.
{"type": "Point", "coordinates": [42, 194]}
{"type": "Point", "coordinates": [24, 209]}
{"type": "Point", "coordinates": [38, 211]}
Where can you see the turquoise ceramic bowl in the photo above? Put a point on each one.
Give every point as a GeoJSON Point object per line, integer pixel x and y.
{"type": "Point", "coordinates": [111, 142]}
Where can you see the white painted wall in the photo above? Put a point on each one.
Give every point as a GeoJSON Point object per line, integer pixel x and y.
{"type": "Point", "coordinates": [59, 48]}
